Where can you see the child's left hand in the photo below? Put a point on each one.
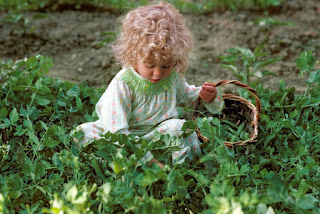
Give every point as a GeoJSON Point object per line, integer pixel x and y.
{"type": "Point", "coordinates": [208, 93]}
{"type": "Point", "coordinates": [158, 163]}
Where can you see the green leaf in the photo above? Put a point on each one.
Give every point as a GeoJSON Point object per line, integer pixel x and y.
{"type": "Point", "coordinates": [56, 160]}
{"type": "Point", "coordinates": [118, 165]}
{"type": "Point", "coordinates": [44, 125]}
{"type": "Point", "coordinates": [229, 59]}
{"type": "Point", "coordinates": [51, 143]}
{"type": "Point", "coordinates": [29, 80]}
{"type": "Point", "coordinates": [276, 188]}
{"type": "Point", "coordinates": [246, 52]}
{"type": "Point", "coordinates": [33, 137]}
{"type": "Point", "coordinates": [27, 169]}
{"type": "Point", "coordinates": [44, 90]}
{"type": "Point", "coordinates": [79, 103]}
{"type": "Point", "coordinates": [148, 178]}
{"type": "Point", "coordinates": [33, 113]}
{"type": "Point", "coordinates": [38, 84]}
{"type": "Point", "coordinates": [262, 209]}
{"type": "Point", "coordinates": [42, 101]}
{"type": "Point", "coordinates": [3, 113]}
{"type": "Point", "coordinates": [15, 182]}
{"type": "Point", "coordinates": [39, 16]}
{"type": "Point", "coordinates": [303, 187]}
{"type": "Point", "coordinates": [230, 67]}
{"type": "Point", "coordinates": [267, 62]}
{"type": "Point", "coordinates": [306, 61]}
{"type": "Point", "coordinates": [267, 73]}
{"type": "Point", "coordinates": [104, 192]}
{"type": "Point", "coordinates": [307, 202]}
{"type": "Point", "coordinates": [61, 103]}
{"type": "Point", "coordinates": [39, 170]}
{"type": "Point", "coordinates": [27, 124]}
{"type": "Point", "coordinates": [189, 124]}
{"type": "Point", "coordinates": [2, 126]}
{"type": "Point", "coordinates": [14, 117]}
{"type": "Point", "coordinates": [74, 91]}
{"type": "Point", "coordinates": [314, 77]}
{"type": "Point", "coordinates": [97, 168]}
{"type": "Point", "coordinates": [72, 193]}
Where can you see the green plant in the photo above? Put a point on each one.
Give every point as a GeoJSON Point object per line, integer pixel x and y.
{"type": "Point", "coordinates": [290, 136]}
{"type": "Point", "coordinates": [246, 64]}
{"type": "Point", "coordinates": [22, 5]}
{"type": "Point", "coordinates": [269, 22]}
{"type": "Point", "coordinates": [44, 171]}
{"type": "Point", "coordinates": [34, 113]}
{"type": "Point", "coordinates": [109, 36]}
{"type": "Point", "coordinates": [197, 7]}
{"type": "Point", "coordinates": [207, 6]}
{"type": "Point", "coordinates": [16, 14]}
{"type": "Point", "coordinates": [20, 21]}
{"type": "Point", "coordinates": [306, 63]}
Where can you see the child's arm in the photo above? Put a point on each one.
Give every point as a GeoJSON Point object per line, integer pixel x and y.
{"type": "Point", "coordinates": [211, 96]}
{"type": "Point", "coordinates": [114, 108]}
{"type": "Point", "coordinates": [187, 94]}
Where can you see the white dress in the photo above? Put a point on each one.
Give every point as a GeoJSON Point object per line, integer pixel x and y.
{"type": "Point", "coordinates": [134, 105]}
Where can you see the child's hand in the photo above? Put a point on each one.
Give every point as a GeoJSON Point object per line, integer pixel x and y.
{"type": "Point", "coordinates": [156, 161]}
{"type": "Point", "coordinates": [208, 93]}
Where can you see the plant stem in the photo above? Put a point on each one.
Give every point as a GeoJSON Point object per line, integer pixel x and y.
{"type": "Point", "coordinates": [248, 74]}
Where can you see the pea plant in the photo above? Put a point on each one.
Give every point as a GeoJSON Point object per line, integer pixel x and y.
{"type": "Point", "coordinates": [43, 170]}
{"type": "Point", "coordinates": [207, 6]}
{"type": "Point", "coordinates": [17, 17]}
{"type": "Point", "coordinates": [248, 66]}
{"type": "Point", "coordinates": [306, 63]}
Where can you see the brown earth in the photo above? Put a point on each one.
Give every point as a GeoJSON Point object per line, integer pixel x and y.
{"type": "Point", "coordinates": [72, 37]}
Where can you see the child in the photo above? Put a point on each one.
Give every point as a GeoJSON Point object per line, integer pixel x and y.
{"type": "Point", "coordinates": [153, 48]}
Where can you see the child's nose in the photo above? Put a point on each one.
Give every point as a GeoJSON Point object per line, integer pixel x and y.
{"type": "Point", "coordinates": [157, 72]}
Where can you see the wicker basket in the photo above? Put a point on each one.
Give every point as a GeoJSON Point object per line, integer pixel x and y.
{"type": "Point", "coordinates": [236, 110]}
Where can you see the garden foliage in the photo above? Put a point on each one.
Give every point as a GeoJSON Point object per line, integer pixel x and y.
{"type": "Point", "coordinates": [119, 5]}
{"type": "Point", "coordinates": [43, 169]}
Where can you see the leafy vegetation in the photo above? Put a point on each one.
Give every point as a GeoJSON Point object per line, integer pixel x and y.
{"type": "Point", "coordinates": [251, 63]}
{"type": "Point", "coordinates": [118, 5]}
{"type": "Point", "coordinates": [43, 169]}
{"type": "Point", "coordinates": [21, 21]}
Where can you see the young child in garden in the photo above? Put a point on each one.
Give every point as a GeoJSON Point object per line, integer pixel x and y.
{"type": "Point", "coordinates": [153, 48]}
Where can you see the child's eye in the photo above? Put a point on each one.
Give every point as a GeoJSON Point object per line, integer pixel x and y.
{"type": "Point", "coordinates": [149, 65]}
{"type": "Point", "coordinates": [166, 66]}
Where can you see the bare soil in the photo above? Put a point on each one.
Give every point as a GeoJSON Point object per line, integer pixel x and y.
{"type": "Point", "coordinates": [72, 37]}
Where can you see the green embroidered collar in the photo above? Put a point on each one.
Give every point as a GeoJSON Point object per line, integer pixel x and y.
{"type": "Point", "coordinates": [143, 86]}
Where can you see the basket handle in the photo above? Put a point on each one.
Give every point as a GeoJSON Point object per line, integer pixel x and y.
{"type": "Point", "coordinates": [242, 85]}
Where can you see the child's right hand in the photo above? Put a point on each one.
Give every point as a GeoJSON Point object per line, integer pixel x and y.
{"type": "Point", "coordinates": [208, 93]}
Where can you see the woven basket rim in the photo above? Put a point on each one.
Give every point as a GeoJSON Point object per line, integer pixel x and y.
{"type": "Point", "coordinates": [255, 109]}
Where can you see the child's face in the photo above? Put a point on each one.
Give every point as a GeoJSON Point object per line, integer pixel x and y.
{"type": "Point", "coordinates": [154, 70]}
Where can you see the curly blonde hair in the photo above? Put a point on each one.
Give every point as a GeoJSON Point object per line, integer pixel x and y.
{"type": "Point", "coordinates": [154, 32]}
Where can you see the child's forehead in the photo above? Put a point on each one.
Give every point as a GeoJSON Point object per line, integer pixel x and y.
{"type": "Point", "coordinates": [159, 60]}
